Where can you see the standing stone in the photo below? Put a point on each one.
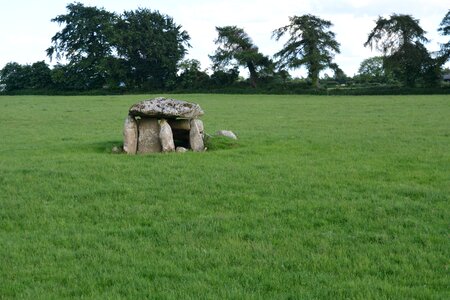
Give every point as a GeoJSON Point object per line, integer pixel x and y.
{"type": "Point", "coordinates": [166, 136]}
{"type": "Point", "coordinates": [148, 140]}
{"type": "Point", "coordinates": [196, 135]}
{"type": "Point", "coordinates": [130, 135]}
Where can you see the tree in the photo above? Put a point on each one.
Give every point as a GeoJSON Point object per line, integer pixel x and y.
{"type": "Point", "coordinates": [372, 67]}
{"type": "Point", "coordinates": [14, 76]}
{"type": "Point", "coordinates": [40, 77]}
{"type": "Point", "coordinates": [310, 44]}
{"type": "Point", "coordinates": [372, 70]}
{"type": "Point", "coordinates": [237, 49]}
{"type": "Point", "coordinates": [18, 77]}
{"type": "Point", "coordinates": [71, 76]}
{"type": "Point", "coordinates": [391, 34]}
{"type": "Point", "coordinates": [400, 38]}
{"type": "Point", "coordinates": [151, 45]}
{"type": "Point", "coordinates": [191, 77]}
{"type": "Point", "coordinates": [340, 76]}
{"type": "Point", "coordinates": [85, 41]}
{"type": "Point", "coordinates": [87, 33]}
{"type": "Point", "coordinates": [413, 64]}
{"type": "Point", "coordinates": [444, 29]}
{"type": "Point", "coordinates": [224, 78]}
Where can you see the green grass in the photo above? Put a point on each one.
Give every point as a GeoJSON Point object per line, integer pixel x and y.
{"type": "Point", "coordinates": [321, 197]}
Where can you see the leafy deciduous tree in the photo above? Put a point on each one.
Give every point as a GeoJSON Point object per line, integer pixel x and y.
{"type": "Point", "coordinates": [16, 76]}
{"type": "Point", "coordinates": [191, 77]}
{"type": "Point", "coordinates": [223, 78]}
{"type": "Point", "coordinates": [151, 45]}
{"type": "Point", "coordinates": [40, 75]}
{"type": "Point", "coordinates": [372, 67]}
{"type": "Point", "coordinates": [310, 44]}
{"type": "Point", "coordinates": [372, 70]}
{"type": "Point", "coordinates": [85, 41]}
{"type": "Point", "coordinates": [12, 75]}
{"type": "Point", "coordinates": [73, 76]}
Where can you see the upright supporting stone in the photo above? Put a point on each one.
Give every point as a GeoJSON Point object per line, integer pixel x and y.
{"type": "Point", "coordinates": [148, 140]}
{"type": "Point", "coordinates": [196, 135]}
{"type": "Point", "coordinates": [130, 135]}
{"type": "Point", "coordinates": [166, 136]}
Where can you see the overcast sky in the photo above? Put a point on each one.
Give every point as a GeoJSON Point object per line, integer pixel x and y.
{"type": "Point", "coordinates": [26, 30]}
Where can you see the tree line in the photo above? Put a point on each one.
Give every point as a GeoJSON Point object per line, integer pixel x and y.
{"type": "Point", "coordinates": [144, 50]}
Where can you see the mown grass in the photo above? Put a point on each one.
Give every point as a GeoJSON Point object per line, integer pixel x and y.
{"type": "Point", "coordinates": [321, 197]}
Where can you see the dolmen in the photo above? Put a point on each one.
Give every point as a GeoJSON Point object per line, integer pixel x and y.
{"type": "Point", "coordinates": [163, 125]}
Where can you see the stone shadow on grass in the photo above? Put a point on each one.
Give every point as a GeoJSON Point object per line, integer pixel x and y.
{"type": "Point", "coordinates": [212, 143]}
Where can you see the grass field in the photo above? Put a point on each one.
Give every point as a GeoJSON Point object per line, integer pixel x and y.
{"type": "Point", "coordinates": [322, 197]}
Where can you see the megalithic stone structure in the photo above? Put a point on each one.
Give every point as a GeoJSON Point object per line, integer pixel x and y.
{"type": "Point", "coordinates": [163, 124]}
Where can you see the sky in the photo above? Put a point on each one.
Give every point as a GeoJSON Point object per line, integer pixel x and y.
{"type": "Point", "coordinates": [26, 29]}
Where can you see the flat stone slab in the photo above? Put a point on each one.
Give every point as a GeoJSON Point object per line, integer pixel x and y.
{"type": "Point", "coordinates": [166, 108]}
